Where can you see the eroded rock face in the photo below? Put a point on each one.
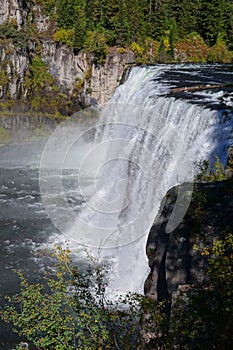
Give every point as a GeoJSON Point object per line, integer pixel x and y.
{"type": "Point", "coordinates": [105, 78]}
{"type": "Point", "coordinates": [173, 258]}
{"type": "Point", "coordinates": [100, 80]}
{"type": "Point", "coordinates": [14, 9]}
{"type": "Point", "coordinates": [13, 65]}
{"type": "Point", "coordinates": [70, 70]}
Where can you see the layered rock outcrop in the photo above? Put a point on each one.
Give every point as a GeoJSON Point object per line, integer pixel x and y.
{"type": "Point", "coordinates": [73, 72]}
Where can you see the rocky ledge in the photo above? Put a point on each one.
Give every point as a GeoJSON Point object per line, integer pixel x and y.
{"type": "Point", "coordinates": [177, 262]}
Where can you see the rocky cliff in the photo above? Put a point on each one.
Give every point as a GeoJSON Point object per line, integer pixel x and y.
{"type": "Point", "coordinates": [174, 258]}
{"type": "Point", "coordinates": [178, 261]}
{"type": "Point", "coordinates": [26, 33]}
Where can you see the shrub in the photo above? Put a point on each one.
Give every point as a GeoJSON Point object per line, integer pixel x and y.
{"type": "Point", "coordinates": [121, 50]}
{"type": "Point", "coordinates": [191, 49]}
{"type": "Point", "coordinates": [69, 310]}
{"type": "Point", "coordinates": [20, 38]}
{"type": "Point", "coordinates": [219, 52]}
{"type": "Point", "coordinates": [214, 173]}
{"type": "Point", "coordinates": [137, 49]}
{"type": "Point", "coordinates": [150, 49]}
{"type": "Point", "coordinates": [4, 80]}
{"type": "Point", "coordinates": [64, 36]}
{"type": "Point", "coordinates": [96, 43]}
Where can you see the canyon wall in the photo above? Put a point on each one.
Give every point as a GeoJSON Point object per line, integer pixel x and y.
{"type": "Point", "coordinates": [75, 74]}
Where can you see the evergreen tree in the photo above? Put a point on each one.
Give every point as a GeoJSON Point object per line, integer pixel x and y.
{"type": "Point", "coordinates": [160, 18]}
{"type": "Point", "coordinates": [127, 21]}
{"type": "Point", "coordinates": [227, 22]}
{"type": "Point", "coordinates": [186, 13]}
{"type": "Point", "coordinates": [80, 27]}
{"type": "Point", "coordinates": [173, 36]}
{"type": "Point", "coordinates": [121, 24]}
{"type": "Point", "coordinates": [210, 20]}
{"type": "Point", "coordinates": [65, 13]}
{"type": "Point", "coordinates": [162, 51]}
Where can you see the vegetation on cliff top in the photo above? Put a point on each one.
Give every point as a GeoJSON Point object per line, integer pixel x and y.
{"type": "Point", "coordinates": [193, 30]}
{"type": "Point", "coordinates": [156, 31]}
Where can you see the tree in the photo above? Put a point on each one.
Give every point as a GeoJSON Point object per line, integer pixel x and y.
{"type": "Point", "coordinates": [186, 14]}
{"type": "Point", "coordinates": [65, 13]}
{"type": "Point", "coordinates": [162, 51]}
{"type": "Point", "coordinates": [173, 37]}
{"type": "Point", "coordinates": [69, 310]}
{"type": "Point", "coordinates": [80, 27]}
{"type": "Point", "coordinates": [210, 19]}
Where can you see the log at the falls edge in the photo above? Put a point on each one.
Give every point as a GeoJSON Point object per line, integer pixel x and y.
{"type": "Point", "coordinates": [197, 88]}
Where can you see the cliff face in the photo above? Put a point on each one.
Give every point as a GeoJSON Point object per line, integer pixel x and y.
{"type": "Point", "coordinates": [175, 258]}
{"type": "Point", "coordinates": [178, 264]}
{"type": "Point", "coordinates": [74, 74]}
{"type": "Point", "coordinates": [100, 80]}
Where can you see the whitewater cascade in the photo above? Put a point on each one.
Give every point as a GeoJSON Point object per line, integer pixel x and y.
{"type": "Point", "coordinates": [145, 143]}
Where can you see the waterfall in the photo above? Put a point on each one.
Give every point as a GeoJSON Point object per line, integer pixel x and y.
{"type": "Point", "coordinates": [145, 143]}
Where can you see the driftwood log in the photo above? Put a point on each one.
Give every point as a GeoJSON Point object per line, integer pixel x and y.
{"type": "Point", "coordinates": [197, 88]}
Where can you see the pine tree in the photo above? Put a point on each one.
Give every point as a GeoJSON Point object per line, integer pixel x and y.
{"type": "Point", "coordinates": [210, 20]}
{"type": "Point", "coordinates": [162, 51]}
{"type": "Point", "coordinates": [80, 27]}
{"type": "Point", "coordinates": [65, 13]}
{"type": "Point", "coordinates": [173, 36]}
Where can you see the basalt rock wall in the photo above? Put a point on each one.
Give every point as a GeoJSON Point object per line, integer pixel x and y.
{"type": "Point", "coordinates": [75, 74]}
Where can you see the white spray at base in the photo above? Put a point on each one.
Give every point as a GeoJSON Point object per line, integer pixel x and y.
{"type": "Point", "coordinates": [144, 145]}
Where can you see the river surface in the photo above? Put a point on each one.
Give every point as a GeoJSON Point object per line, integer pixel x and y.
{"type": "Point", "coordinates": [26, 228]}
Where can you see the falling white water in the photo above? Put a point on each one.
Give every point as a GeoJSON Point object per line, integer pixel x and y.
{"type": "Point", "coordinates": [145, 144]}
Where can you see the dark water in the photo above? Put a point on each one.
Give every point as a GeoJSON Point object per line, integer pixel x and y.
{"type": "Point", "coordinates": [24, 225]}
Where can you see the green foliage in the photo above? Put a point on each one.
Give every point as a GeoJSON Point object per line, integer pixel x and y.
{"type": "Point", "coordinates": [80, 27]}
{"type": "Point", "coordinates": [4, 80]}
{"type": "Point", "coordinates": [96, 44]}
{"type": "Point", "coordinates": [69, 310]}
{"type": "Point", "coordinates": [47, 5]}
{"type": "Point", "coordinates": [64, 36]}
{"type": "Point", "coordinates": [203, 316]}
{"type": "Point", "coordinates": [162, 54]}
{"type": "Point", "coordinates": [214, 173]}
{"type": "Point", "coordinates": [38, 78]}
{"type": "Point", "coordinates": [137, 49]}
{"type": "Point", "coordinates": [221, 269]}
{"type": "Point", "coordinates": [41, 89]}
{"type": "Point", "coordinates": [66, 13]}
{"type": "Point", "coordinates": [173, 37]}
{"type": "Point", "coordinates": [20, 38]}
{"type": "Point", "coordinates": [210, 20]}
{"type": "Point", "coordinates": [123, 23]}
{"type": "Point", "coordinates": [219, 52]}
